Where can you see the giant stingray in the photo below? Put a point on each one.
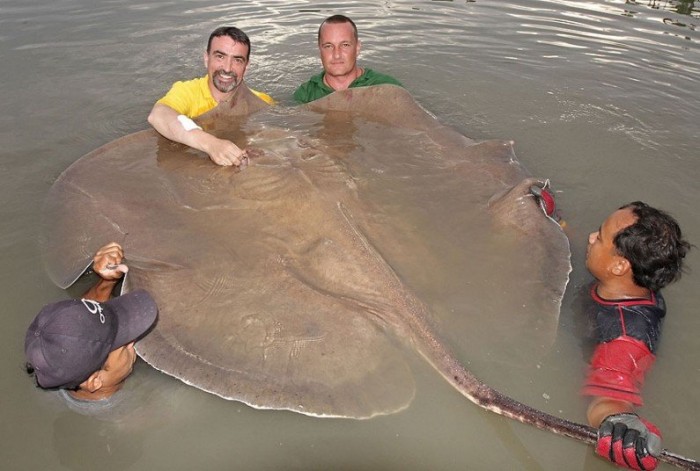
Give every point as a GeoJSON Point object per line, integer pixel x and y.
{"type": "Point", "coordinates": [299, 281]}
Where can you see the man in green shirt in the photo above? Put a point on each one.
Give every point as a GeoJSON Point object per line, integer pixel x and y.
{"type": "Point", "coordinates": [339, 46]}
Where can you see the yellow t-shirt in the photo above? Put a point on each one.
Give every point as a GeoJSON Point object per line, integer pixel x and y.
{"type": "Point", "coordinates": [193, 97]}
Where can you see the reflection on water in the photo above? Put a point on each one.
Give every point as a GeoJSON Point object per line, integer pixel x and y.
{"type": "Point", "coordinates": [684, 7]}
{"type": "Point", "coordinates": [600, 96]}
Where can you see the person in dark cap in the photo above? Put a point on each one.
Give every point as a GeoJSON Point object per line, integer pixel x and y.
{"type": "Point", "coordinates": [86, 346]}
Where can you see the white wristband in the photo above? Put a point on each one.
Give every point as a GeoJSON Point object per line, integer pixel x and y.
{"type": "Point", "coordinates": [187, 123]}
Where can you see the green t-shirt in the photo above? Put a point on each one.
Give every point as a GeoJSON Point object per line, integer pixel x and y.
{"type": "Point", "coordinates": [315, 88]}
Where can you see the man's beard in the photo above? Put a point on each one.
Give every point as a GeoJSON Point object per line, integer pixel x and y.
{"type": "Point", "coordinates": [225, 88]}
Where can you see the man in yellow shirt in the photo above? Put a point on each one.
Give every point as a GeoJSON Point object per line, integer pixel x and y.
{"type": "Point", "coordinates": [226, 60]}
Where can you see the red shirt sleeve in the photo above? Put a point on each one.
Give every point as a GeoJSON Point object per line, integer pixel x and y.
{"type": "Point", "coordinates": [617, 370]}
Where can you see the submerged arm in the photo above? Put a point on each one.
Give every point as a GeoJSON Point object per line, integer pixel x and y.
{"type": "Point", "coordinates": [221, 151]}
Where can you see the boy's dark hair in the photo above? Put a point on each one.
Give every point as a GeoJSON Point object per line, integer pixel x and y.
{"type": "Point", "coordinates": [653, 245]}
{"type": "Point", "coordinates": [232, 32]}
{"type": "Point", "coordinates": [337, 19]}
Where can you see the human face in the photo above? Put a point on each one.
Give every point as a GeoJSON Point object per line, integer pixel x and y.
{"type": "Point", "coordinates": [119, 364]}
{"type": "Point", "coordinates": [226, 62]}
{"type": "Point", "coordinates": [339, 49]}
{"type": "Point", "coordinates": [601, 254]}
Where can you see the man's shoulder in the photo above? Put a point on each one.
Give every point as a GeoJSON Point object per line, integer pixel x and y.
{"type": "Point", "coordinates": [311, 90]}
{"type": "Point", "coordinates": [372, 77]}
{"type": "Point", "coordinates": [190, 97]}
{"type": "Point", "coordinates": [195, 85]}
{"type": "Point", "coordinates": [637, 318]}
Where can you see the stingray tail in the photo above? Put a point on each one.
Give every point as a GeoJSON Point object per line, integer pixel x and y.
{"type": "Point", "coordinates": [492, 400]}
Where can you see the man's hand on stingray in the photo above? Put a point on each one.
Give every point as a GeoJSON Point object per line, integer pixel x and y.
{"type": "Point", "coordinates": [107, 262]}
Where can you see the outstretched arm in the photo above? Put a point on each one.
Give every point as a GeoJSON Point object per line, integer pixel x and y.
{"type": "Point", "coordinates": [221, 151]}
{"type": "Point", "coordinates": [624, 437]}
{"type": "Point", "coordinates": [107, 263]}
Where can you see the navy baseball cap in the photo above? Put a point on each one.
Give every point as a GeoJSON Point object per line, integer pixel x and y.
{"type": "Point", "coordinates": [69, 340]}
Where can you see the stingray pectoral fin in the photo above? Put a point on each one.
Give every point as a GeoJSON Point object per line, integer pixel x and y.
{"type": "Point", "coordinates": [76, 222]}
{"type": "Point", "coordinates": [68, 275]}
{"type": "Point", "coordinates": [515, 204]}
{"type": "Point", "coordinates": [274, 342]}
{"type": "Point", "coordinates": [68, 251]}
{"type": "Point", "coordinates": [541, 260]}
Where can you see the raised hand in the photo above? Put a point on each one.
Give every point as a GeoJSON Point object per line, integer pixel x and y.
{"type": "Point", "coordinates": [107, 262]}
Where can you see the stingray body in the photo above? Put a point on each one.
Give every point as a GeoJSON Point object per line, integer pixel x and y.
{"type": "Point", "coordinates": [302, 281]}
{"type": "Point", "coordinates": [299, 281]}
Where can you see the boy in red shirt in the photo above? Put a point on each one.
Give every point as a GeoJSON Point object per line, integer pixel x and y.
{"type": "Point", "coordinates": [636, 251]}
